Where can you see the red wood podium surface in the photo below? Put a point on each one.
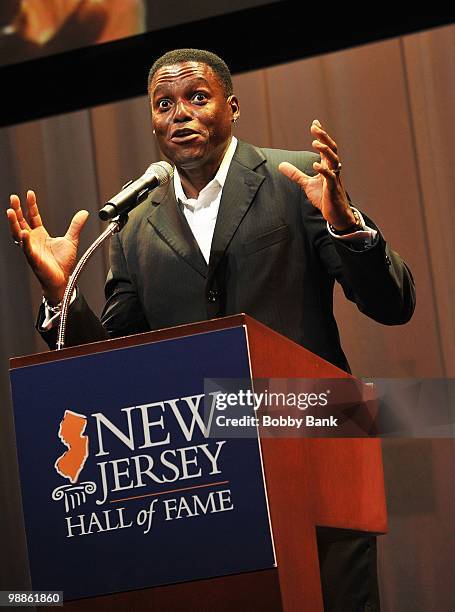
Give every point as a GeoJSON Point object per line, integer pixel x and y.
{"type": "Point", "coordinates": [310, 482]}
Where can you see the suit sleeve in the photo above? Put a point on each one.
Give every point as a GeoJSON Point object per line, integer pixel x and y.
{"type": "Point", "coordinates": [375, 278]}
{"type": "Point", "coordinates": [82, 325]}
{"type": "Point", "coordinates": [122, 314]}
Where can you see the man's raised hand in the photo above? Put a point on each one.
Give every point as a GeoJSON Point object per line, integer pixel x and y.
{"type": "Point", "coordinates": [325, 190]}
{"type": "Point", "coordinates": [51, 259]}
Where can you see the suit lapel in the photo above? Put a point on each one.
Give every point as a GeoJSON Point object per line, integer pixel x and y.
{"type": "Point", "coordinates": [240, 188]}
{"type": "Point", "coordinates": [170, 223]}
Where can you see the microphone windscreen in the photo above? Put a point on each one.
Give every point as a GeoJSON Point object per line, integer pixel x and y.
{"type": "Point", "coordinates": [162, 170]}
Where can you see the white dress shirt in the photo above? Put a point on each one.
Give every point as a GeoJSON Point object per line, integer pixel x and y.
{"type": "Point", "coordinates": [201, 212]}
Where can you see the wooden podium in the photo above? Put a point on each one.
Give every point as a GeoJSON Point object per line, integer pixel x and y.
{"type": "Point", "coordinates": [335, 483]}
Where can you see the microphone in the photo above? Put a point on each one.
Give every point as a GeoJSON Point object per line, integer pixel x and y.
{"type": "Point", "coordinates": [135, 192]}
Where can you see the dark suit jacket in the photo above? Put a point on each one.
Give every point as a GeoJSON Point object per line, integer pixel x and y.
{"type": "Point", "coordinates": [271, 258]}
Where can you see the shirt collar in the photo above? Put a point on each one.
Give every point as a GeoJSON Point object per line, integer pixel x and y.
{"type": "Point", "coordinates": [217, 183]}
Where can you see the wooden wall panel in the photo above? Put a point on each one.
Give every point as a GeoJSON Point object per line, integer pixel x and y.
{"type": "Point", "coordinates": [254, 123]}
{"type": "Point", "coordinates": [124, 145]}
{"type": "Point", "coordinates": [430, 64]}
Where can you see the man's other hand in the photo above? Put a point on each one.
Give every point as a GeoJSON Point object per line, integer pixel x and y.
{"type": "Point", "coordinates": [51, 259]}
{"type": "Point", "coordinates": [325, 190]}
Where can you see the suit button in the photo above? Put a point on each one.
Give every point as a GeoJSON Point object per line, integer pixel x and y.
{"type": "Point", "coordinates": [212, 296]}
{"type": "Point", "coordinates": [387, 260]}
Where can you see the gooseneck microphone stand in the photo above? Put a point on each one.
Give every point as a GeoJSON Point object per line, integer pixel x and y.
{"type": "Point", "coordinates": [114, 226]}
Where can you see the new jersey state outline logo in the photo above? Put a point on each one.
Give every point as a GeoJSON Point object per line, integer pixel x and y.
{"type": "Point", "coordinates": [71, 433]}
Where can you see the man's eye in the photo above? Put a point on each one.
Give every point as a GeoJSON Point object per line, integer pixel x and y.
{"type": "Point", "coordinates": [164, 104]}
{"type": "Point", "coordinates": [199, 97]}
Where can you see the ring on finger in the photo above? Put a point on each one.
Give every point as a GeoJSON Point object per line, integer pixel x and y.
{"type": "Point", "coordinates": [337, 170]}
{"type": "Point", "coordinates": [17, 242]}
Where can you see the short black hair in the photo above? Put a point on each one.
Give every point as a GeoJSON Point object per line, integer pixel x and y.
{"type": "Point", "coordinates": [177, 56]}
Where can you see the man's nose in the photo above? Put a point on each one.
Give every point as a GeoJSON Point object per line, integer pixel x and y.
{"type": "Point", "coordinates": [182, 112]}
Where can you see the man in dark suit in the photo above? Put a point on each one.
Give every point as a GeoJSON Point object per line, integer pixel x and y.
{"type": "Point", "coordinates": [232, 234]}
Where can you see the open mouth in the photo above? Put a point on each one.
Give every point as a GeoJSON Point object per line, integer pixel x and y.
{"type": "Point", "coordinates": [183, 135]}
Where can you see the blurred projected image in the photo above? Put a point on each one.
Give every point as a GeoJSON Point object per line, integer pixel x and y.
{"type": "Point", "coordinates": [34, 28]}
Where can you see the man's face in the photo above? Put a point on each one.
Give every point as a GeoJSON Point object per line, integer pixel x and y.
{"type": "Point", "coordinates": [191, 116]}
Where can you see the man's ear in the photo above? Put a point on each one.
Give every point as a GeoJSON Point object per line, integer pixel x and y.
{"type": "Point", "coordinates": [235, 107]}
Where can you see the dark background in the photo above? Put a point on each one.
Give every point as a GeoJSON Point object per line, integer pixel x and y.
{"type": "Point", "coordinates": [114, 71]}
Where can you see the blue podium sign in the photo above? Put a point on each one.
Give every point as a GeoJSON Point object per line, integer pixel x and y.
{"type": "Point", "coordinates": [123, 486]}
